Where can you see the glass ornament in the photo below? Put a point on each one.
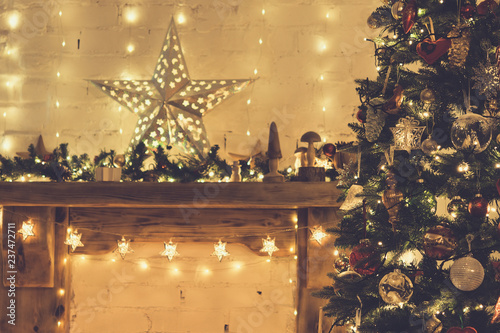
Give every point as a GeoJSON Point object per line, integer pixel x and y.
{"type": "Point", "coordinates": [397, 9]}
{"type": "Point", "coordinates": [467, 274]}
{"type": "Point", "coordinates": [429, 146]}
{"type": "Point", "coordinates": [365, 258]}
{"type": "Point", "coordinates": [427, 96]}
{"type": "Point", "coordinates": [456, 205]}
{"type": "Point", "coordinates": [471, 132]}
{"type": "Point", "coordinates": [395, 288]}
{"type": "Point", "coordinates": [479, 206]}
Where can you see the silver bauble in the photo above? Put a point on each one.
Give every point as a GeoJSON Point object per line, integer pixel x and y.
{"type": "Point", "coordinates": [395, 288]}
{"type": "Point", "coordinates": [467, 274]}
{"type": "Point", "coordinates": [471, 132]}
{"type": "Point", "coordinates": [427, 96]}
{"type": "Point", "coordinates": [397, 9]}
{"type": "Point", "coordinates": [429, 146]}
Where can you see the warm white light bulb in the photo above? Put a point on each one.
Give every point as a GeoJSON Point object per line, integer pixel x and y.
{"type": "Point", "coordinates": [60, 13]}
{"type": "Point", "coordinates": [63, 44]}
{"type": "Point", "coordinates": [57, 134]}
{"type": "Point", "coordinates": [130, 14]}
{"type": "Point", "coordinates": [58, 74]}
{"type": "Point", "coordinates": [321, 77]}
{"type": "Point", "coordinates": [57, 104]}
{"type": "Point", "coordinates": [248, 133]}
{"type": "Point", "coordinates": [263, 12]}
{"type": "Point", "coordinates": [181, 18]}
{"type": "Point", "coordinates": [249, 101]}
{"type": "Point", "coordinates": [13, 19]}
{"type": "Point", "coordinates": [255, 71]}
{"type": "Point", "coordinates": [260, 41]}
{"type": "Point", "coordinates": [324, 108]}
{"type": "Point", "coordinates": [130, 48]}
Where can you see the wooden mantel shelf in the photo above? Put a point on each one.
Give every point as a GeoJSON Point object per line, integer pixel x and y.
{"type": "Point", "coordinates": [290, 195]}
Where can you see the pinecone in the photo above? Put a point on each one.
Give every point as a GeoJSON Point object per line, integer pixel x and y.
{"type": "Point", "coordinates": [460, 44]}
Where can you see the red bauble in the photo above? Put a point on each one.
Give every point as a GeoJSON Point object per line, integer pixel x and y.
{"type": "Point", "coordinates": [461, 330]}
{"type": "Point", "coordinates": [329, 150]}
{"type": "Point", "coordinates": [409, 15]}
{"type": "Point", "coordinates": [361, 115]}
{"type": "Point", "coordinates": [479, 206]}
{"type": "Point", "coordinates": [467, 11]}
{"type": "Point", "coordinates": [365, 258]}
{"type": "Point", "coordinates": [439, 242]}
{"type": "Point", "coordinates": [487, 6]}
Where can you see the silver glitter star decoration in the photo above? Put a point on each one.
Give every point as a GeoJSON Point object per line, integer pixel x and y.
{"type": "Point", "coordinates": [74, 239]}
{"type": "Point", "coordinates": [171, 105]}
{"type": "Point", "coordinates": [123, 247]}
{"type": "Point", "coordinates": [407, 134]}
{"type": "Point", "coordinates": [268, 245]}
{"type": "Point", "coordinates": [170, 250]}
{"type": "Point", "coordinates": [486, 80]}
{"type": "Point", "coordinates": [220, 250]}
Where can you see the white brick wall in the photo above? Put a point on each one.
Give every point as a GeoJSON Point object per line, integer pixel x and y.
{"type": "Point", "coordinates": [220, 40]}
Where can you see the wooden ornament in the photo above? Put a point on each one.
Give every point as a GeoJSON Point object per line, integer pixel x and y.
{"type": "Point", "coordinates": [393, 105]}
{"type": "Point", "coordinates": [274, 154]}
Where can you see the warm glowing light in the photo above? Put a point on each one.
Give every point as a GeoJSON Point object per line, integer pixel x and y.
{"type": "Point", "coordinates": [27, 229]}
{"type": "Point", "coordinates": [57, 134]}
{"type": "Point", "coordinates": [83, 257]}
{"type": "Point", "coordinates": [130, 48]}
{"type": "Point", "coordinates": [59, 323]}
{"type": "Point", "coordinates": [255, 71]}
{"type": "Point", "coordinates": [295, 257]}
{"type": "Point", "coordinates": [497, 165]}
{"type": "Point", "coordinates": [324, 108]}
{"type": "Point", "coordinates": [249, 101]}
{"type": "Point", "coordinates": [123, 247]}
{"type": "Point", "coordinates": [176, 270]}
{"type": "Point", "coordinates": [261, 41]}
{"type": "Point", "coordinates": [327, 15]}
{"type": "Point", "coordinates": [121, 131]}
{"type": "Point", "coordinates": [295, 312]}
{"type": "Point", "coordinates": [61, 292]}
{"type": "Point", "coordinates": [268, 245]}
{"type": "Point", "coordinates": [58, 74]}
{"type": "Point", "coordinates": [318, 234]}
{"type": "Point", "coordinates": [248, 133]}
{"type": "Point", "coordinates": [378, 68]}
{"type": "Point", "coordinates": [181, 19]}
{"type": "Point", "coordinates": [463, 167]}
{"type": "Point", "coordinates": [426, 114]}
{"type": "Point", "coordinates": [263, 11]}
{"type": "Point", "coordinates": [292, 249]}
{"type": "Point", "coordinates": [380, 243]}
{"type": "Point", "coordinates": [237, 266]}
{"type": "Point", "coordinates": [113, 260]}
{"type": "Point", "coordinates": [321, 77]}
{"type": "Point", "coordinates": [268, 260]}
{"type": "Point", "coordinates": [170, 250]}
{"type": "Point", "coordinates": [63, 43]}
{"type": "Point", "coordinates": [73, 239]}
{"type": "Point", "coordinates": [13, 19]}
{"type": "Point", "coordinates": [291, 281]}
{"type": "Point", "coordinates": [130, 14]}
{"type": "Point", "coordinates": [57, 104]}
{"type": "Point", "coordinates": [296, 226]}
{"type": "Point", "coordinates": [65, 261]}
{"type": "Point", "coordinates": [144, 265]}
{"type": "Point", "coordinates": [220, 250]}
{"type": "Point", "coordinates": [60, 13]}
{"type": "Point", "coordinates": [7, 83]}
{"type": "Point", "coordinates": [207, 271]}
{"type": "Point", "coordinates": [336, 252]}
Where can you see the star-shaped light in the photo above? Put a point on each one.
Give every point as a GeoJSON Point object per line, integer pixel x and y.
{"type": "Point", "coordinates": [170, 106]}
{"type": "Point", "coordinates": [170, 250]}
{"type": "Point", "coordinates": [269, 246]}
{"type": "Point", "coordinates": [27, 229]}
{"type": "Point", "coordinates": [74, 239]}
{"type": "Point", "coordinates": [220, 250]}
{"type": "Point", "coordinates": [318, 234]}
{"type": "Point", "coordinates": [123, 247]}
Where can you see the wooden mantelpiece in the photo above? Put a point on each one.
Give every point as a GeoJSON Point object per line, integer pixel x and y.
{"type": "Point", "coordinates": [156, 211]}
{"type": "Point", "coordinates": [290, 195]}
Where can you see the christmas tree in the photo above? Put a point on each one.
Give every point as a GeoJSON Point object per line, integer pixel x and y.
{"type": "Point", "coordinates": [427, 133]}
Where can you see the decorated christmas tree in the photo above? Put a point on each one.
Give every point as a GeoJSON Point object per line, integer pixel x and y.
{"type": "Point", "coordinates": [421, 242]}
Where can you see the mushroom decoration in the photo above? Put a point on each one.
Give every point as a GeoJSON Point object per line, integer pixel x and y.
{"type": "Point", "coordinates": [274, 154]}
{"type": "Point", "coordinates": [300, 154]}
{"type": "Point", "coordinates": [310, 138]}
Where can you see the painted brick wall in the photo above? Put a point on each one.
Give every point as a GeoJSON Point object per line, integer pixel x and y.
{"type": "Point", "coordinates": [220, 40]}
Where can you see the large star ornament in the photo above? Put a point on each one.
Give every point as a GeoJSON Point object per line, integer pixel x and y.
{"type": "Point", "coordinates": [170, 106]}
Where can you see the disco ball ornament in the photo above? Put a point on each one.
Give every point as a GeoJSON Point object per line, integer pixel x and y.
{"type": "Point", "coordinates": [397, 9]}
{"type": "Point", "coordinates": [479, 206]}
{"type": "Point", "coordinates": [439, 242]}
{"type": "Point", "coordinates": [365, 258]}
{"type": "Point", "coordinates": [466, 274]}
{"type": "Point", "coordinates": [427, 96]}
{"type": "Point", "coordinates": [395, 288]}
{"type": "Point", "coordinates": [471, 132]}
{"type": "Point", "coordinates": [341, 264]}
{"type": "Point", "coordinates": [457, 205]}
{"type": "Point", "coordinates": [429, 146]}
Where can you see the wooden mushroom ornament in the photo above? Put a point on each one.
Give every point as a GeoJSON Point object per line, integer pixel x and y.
{"type": "Point", "coordinates": [308, 172]}
{"type": "Point", "coordinates": [274, 154]}
{"type": "Point", "coordinates": [301, 160]}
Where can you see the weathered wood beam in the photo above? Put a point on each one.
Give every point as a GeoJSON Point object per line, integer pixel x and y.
{"type": "Point", "coordinates": [290, 195]}
{"type": "Point", "coordinates": [102, 227]}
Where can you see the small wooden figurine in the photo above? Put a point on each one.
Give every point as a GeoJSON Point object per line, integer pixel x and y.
{"type": "Point", "coordinates": [274, 154]}
{"type": "Point", "coordinates": [310, 173]}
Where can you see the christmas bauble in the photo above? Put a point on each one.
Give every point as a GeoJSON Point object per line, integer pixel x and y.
{"type": "Point", "coordinates": [471, 132]}
{"type": "Point", "coordinates": [341, 264]}
{"type": "Point", "coordinates": [466, 274]}
{"type": "Point", "coordinates": [439, 242]}
{"type": "Point", "coordinates": [457, 205]}
{"type": "Point", "coordinates": [479, 206]}
{"type": "Point", "coordinates": [429, 146]}
{"type": "Point", "coordinates": [361, 115]}
{"type": "Point", "coordinates": [461, 330]}
{"type": "Point", "coordinates": [486, 7]}
{"type": "Point", "coordinates": [329, 150]}
{"type": "Point", "coordinates": [365, 258]}
{"type": "Point", "coordinates": [349, 276]}
{"type": "Point", "coordinates": [395, 288]}
{"type": "Point", "coordinates": [427, 96]}
{"type": "Point", "coordinates": [409, 14]}
{"type": "Point", "coordinates": [467, 11]}
{"type": "Point", "coordinates": [397, 9]}
{"type": "Point", "coordinates": [374, 21]}
{"type": "Point", "coordinates": [119, 160]}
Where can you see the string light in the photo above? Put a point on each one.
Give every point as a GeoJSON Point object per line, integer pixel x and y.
{"type": "Point", "coordinates": [268, 246]}
{"type": "Point", "coordinates": [123, 247]}
{"type": "Point", "coordinates": [73, 239]}
{"type": "Point", "coordinates": [318, 234]}
{"type": "Point", "coordinates": [27, 229]}
{"type": "Point", "coordinates": [13, 19]}
{"type": "Point", "coordinates": [260, 41]}
{"type": "Point", "coordinates": [170, 250]}
{"type": "Point", "coordinates": [220, 250]}
{"type": "Point", "coordinates": [181, 18]}
{"type": "Point", "coordinates": [130, 48]}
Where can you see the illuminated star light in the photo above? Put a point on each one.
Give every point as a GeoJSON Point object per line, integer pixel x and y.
{"type": "Point", "coordinates": [220, 250]}
{"type": "Point", "coordinates": [74, 239]}
{"type": "Point", "coordinates": [171, 105]}
{"type": "Point", "coordinates": [27, 229]}
{"type": "Point", "coordinates": [123, 247]}
{"type": "Point", "coordinates": [269, 246]}
{"type": "Point", "coordinates": [318, 234]}
{"type": "Point", "coordinates": [170, 250]}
